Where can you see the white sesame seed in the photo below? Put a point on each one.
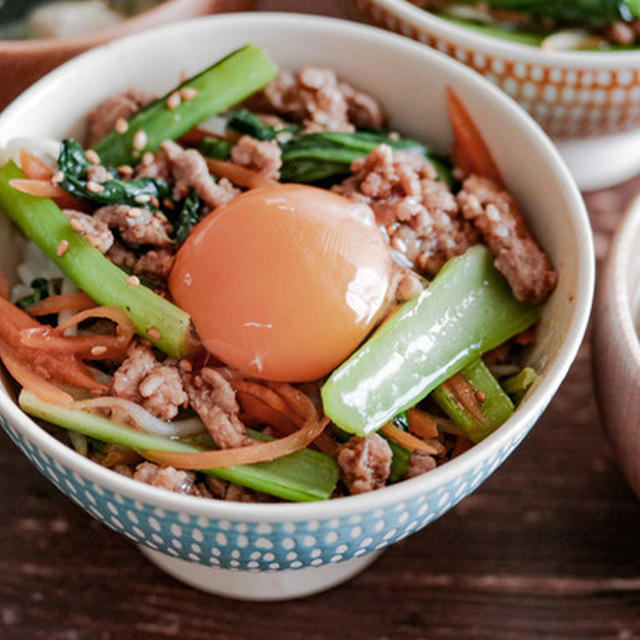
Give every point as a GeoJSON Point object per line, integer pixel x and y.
{"type": "Point", "coordinates": [122, 126]}
{"type": "Point", "coordinates": [140, 140]}
{"type": "Point", "coordinates": [63, 245]}
{"type": "Point", "coordinates": [134, 213]}
{"type": "Point", "coordinates": [134, 281]}
{"type": "Point", "coordinates": [75, 225]}
{"type": "Point", "coordinates": [154, 333]}
{"type": "Point", "coordinates": [92, 156]}
{"type": "Point", "coordinates": [94, 187]}
{"type": "Point", "coordinates": [142, 198]}
{"type": "Point", "coordinates": [188, 93]}
{"type": "Point", "coordinates": [148, 158]}
{"type": "Point", "coordinates": [57, 177]}
{"type": "Point", "coordinates": [125, 170]}
{"type": "Point", "coordinates": [174, 100]}
{"type": "Point", "coordinates": [98, 351]}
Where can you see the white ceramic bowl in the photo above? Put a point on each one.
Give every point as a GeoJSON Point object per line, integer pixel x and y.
{"type": "Point", "coordinates": [572, 94]}
{"type": "Point", "coordinates": [286, 550]}
{"type": "Point", "coordinates": [616, 348]}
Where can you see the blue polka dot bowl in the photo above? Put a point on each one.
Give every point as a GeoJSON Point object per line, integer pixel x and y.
{"type": "Point", "coordinates": [275, 551]}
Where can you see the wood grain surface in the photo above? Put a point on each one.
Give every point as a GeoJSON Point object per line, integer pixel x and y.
{"type": "Point", "coordinates": [547, 548]}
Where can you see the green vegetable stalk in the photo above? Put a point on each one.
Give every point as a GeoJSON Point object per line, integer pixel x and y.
{"type": "Point", "coordinates": [495, 405]}
{"type": "Point", "coordinates": [516, 386]}
{"type": "Point", "coordinates": [219, 87]}
{"type": "Point", "coordinates": [40, 219]}
{"type": "Point", "coordinates": [578, 12]}
{"type": "Point", "coordinates": [302, 476]}
{"type": "Point", "coordinates": [467, 310]}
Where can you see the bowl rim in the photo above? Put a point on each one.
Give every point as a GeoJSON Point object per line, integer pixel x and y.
{"type": "Point", "coordinates": [408, 489]}
{"type": "Point", "coordinates": [614, 286]}
{"type": "Point", "coordinates": [481, 43]}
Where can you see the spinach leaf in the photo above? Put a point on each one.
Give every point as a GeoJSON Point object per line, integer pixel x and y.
{"type": "Point", "coordinates": [137, 192]}
{"type": "Point", "coordinates": [215, 148]}
{"type": "Point", "coordinates": [244, 121]}
{"type": "Point", "coordinates": [40, 288]}
{"type": "Point", "coordinates": [187, 216]}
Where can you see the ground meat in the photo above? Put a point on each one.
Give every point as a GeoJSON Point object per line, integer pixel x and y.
{"type": "Point", "coordinates": [261, 156]}
{"type": "Point", "coordinates": [624, 33]}
{"type": "Point", "coordinates": [121, 256]}
{"type": "Point", "coordinates": [364, 111]}
{"type": "Point", "coordinates": [102, 119]}
{"type": "Point", "coordinates": [124, 470]}
{"type": "Point", "coordinates": [158, 167]}
{"type": "Point", "coordinates": [221, 490]}
{"type": "Point", "coordinates": [214, 399]}
{"type": "Point", "coordinates": [189, 169]}
{"type": "Point", "coordinates": [136, 225]}
{"type": "Point", "coordinates": [166, 478]}
{"type": "Point", "coordinates": [493, 212]}
{"type": "Point", "coordinates": [315, 98]}
{"type": "Point", "coordinates": [95, 231]}
{"type": "Point", "coordinates": [155, 263]}
{"type": "Point", "coordinates": [417, 213]}
{"type": "Point", "coordinates": [156, 386]}
{"type": "Point", "coordinates": [406, 284]}
{"type": "Point", "coordinates": [420, 462]}
{"type": "Point", "coordinates": [365, 463]}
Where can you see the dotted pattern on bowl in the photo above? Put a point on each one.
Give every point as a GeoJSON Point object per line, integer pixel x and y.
{"type": "Point", "coordinates": [567, 102]}
{"type": "Point", "coordinates": [256, 546]}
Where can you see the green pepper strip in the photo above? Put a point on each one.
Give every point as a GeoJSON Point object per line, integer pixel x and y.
{"type": "Point", "coordinates": [467, 310]}
{"type": "Point", "coordinates": [517, 385]}
{"type": "Point", "coordinates": [42, 222]}
{"type": "Point", "coordinates": [219, 87]}
{"type": "Point", "coordinates": [302, 476]}
{"type": "Point", "coordinates": [495, 408]}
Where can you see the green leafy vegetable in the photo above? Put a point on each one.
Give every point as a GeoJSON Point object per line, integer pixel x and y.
{"type": "Point", "coordinates": [187, 216]}
{"type": "Point", "coordinates": [329, 154]}
{"type": "Point", "coordinates": [224, 84]}
{"type": "Point", "coordinates": [40, 288]}
{"type": "Point", "coordinates": [74, 166]}
{"type": "Point", "coordinates": [495, 407]}
{"type": "Point", "coordinates": [41, 221]}
{"type": "Point", "coordinates": [243, 121]}
{"type": "Point", "coordinates": [215, 148]}
{"type": "Point", "coordinates": [467, 310]}
{"type": "Point", "coordinates": [301, 476]}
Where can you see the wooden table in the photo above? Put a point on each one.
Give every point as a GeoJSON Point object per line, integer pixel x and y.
{"type": "Point", "coordinates": [549, 547]}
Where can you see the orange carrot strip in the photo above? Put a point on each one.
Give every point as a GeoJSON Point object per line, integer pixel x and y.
{"type": "Point", "coordinates": [61, 366]}
{"type": "Point", "coordinates": [33, 167]}
{"type": "Point", "coordinates": [197, 134]}
{"type": "Point", "coordinates": [95, 347]}
{"type": "Point", "coordinates": [268, 397]}
{"type": "Point", "coordinates": [262, 452]}
{"type": "Point", "coordinates": [77, 301]}
{"type": "Point", "coordinates": [22, 372]}
{"type": "Point", "coordinates": [470, 152]}
{"type": "Point", "coordinates": [406, 439]}
{"type": "Point", "coordinates": [265, 414]}
{"type": "Point", "coordinates": [4, 285]}
{"type": "Point", "coordinates": [44, 189]}
{"type": "Point", "coordinates": [421, 424]}
{"type": "Point", "coordinates": [241, 176]}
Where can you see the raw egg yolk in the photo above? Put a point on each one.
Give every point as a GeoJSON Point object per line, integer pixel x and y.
{"type": "Point", "coordinates": [283, 282]}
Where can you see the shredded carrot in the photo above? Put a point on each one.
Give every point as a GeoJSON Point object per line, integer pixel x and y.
{"type": "Point", "coordinates": [262, 452]}
{"type": "Point", "coordinates": [94, 347]}
{"type": "Point", "coordinates": [422, 424]}
{"type": "Point", "coordinates": [4, 285]}
{"type": "Point", "coordinates": [265, 414]}
{"type": "Point", "coordinates": [470, 152]}
{"type": "Point", "coordinates": [23, 373]}
{"type": "Point", "coordinates": [61, 366]}
{"type": "Point", "coordinates": [406, 439]}
{"type": "Point", "coordinates": [465, 395]}
{"type": "Point", "coordinates": [241, 176]}
{"type": "Point", "coordinates": [33, 167]}
{"type": "Point", "coordinates": [527, 337]}
{"type": "Point", "coordinates": [196, 135]}
{"type": "Point", "coordinates": [44, 189]}
{"type": "Point", "coordinates": [77, 301]}
{"type": "Point", "coordinates": [268, 397]}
